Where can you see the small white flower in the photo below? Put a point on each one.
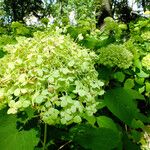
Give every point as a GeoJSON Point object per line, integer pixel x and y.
{"type": "Point", "coordinates": [80, 37]}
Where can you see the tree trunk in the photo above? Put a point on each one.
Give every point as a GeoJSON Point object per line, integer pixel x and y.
{"type": "Point", "coordinates": [105, 10]}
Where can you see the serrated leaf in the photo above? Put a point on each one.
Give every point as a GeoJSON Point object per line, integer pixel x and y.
{"type": "Point", "coordinates": [121, 102]}
{"type": "Point", "coordinates": [13, 139]}
{"type": "Point", "coordinates": [137, 124]}
{"type": "Point", "coordinates": [96, 138]}
{"type": "Point", "coordinates": [106, 122]}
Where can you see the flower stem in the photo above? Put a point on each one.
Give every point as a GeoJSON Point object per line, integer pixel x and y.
{"type": "Point", "coordinates": [45, 136]}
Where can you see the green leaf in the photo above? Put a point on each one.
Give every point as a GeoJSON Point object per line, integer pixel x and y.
{"type": "Point", "coordinates": [13, 139]}
{"type": "Point", "coordinates": [91, 119]}
{"type": "Point", "coordinates": [147, 86]}
{"type": "Point", "coordinates": [119, 76]}
{"type": "Point", "coordinates": [104, 73]}
{"type": "Point", "coordinates": [129, 83]}
{"type": "Point", "coordinates": [121, 102]}
{"type": "Point", "coordinates": [30, 112]}
{"type": "Point", "coordinates": [137, 124]}
{"type": "Point", "coordinates": [96, 138]}
{"type": "Point", "coordinates": [2, 53]}
{"type": "Point", "coordinates": [90, 42]}
{"type": "Point", "coordinates": [106, 122]}
{"type": "Point", "coordinates": [128, 145]}
{"type": "Point", "coordinates": [101, 104]}
{"type": "Point", "coordinates": [142, 89]}
{"type": "Point", "coordinates": [136, 135]}
{"type": "Point", "coordinates": [142, 74]}
{"type": "Point", "coordinates": [140, 81]}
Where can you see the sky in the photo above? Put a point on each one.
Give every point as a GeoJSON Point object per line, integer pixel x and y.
{"type": "Point", "coordinates": [133, 4]}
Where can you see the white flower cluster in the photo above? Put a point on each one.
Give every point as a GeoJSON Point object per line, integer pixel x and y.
{"type": "Point", "coordinates": [145, 141]}
{"type": "Point", "coordinates": [146, 61]}
{"type": "Point", "coordinates": [51, 74]}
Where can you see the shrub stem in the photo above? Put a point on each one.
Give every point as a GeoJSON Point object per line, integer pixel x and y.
{"type": "Point", "coordinates": [45, 136]}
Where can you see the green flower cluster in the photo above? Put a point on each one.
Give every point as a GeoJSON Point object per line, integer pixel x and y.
{"type": "Point", "coordinates": [146, 61]}
{"type": "Point", "coordinates": [51, 74]}
{"type": "Point", "coordinates": [115, 55]}
{"type": "Point", "coordinates": [146, 36]}
{"type": "Point", "coordinates": [145, 140]}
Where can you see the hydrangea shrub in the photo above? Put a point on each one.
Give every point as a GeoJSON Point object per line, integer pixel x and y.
{"type": "Point", "coordinates": [51, 74]}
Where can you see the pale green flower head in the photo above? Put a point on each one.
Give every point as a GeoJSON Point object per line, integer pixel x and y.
{"type": "Point", "coordinates": [145, 140]}
{"type": "Point", "coordinates": [51, 74]}
{"type": "Point", "coordinates": [146, 35]}
{"type": "Point", "coordinates": [115, 55]}
{"type": "Point", "coordinates": [146, 61]}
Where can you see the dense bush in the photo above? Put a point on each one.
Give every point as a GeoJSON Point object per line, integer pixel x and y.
{"type": "Point", "coordinates": [56, 88]}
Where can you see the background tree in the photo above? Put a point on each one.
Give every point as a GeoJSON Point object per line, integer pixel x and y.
{"type": "Point", "coordinates": [18, 9]}
{"type": "Point", "coordinates": [103, 10]}
{"type": "Point", "coordinates": [85, 10]}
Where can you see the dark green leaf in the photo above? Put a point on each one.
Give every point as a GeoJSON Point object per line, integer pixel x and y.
{"type": "Point", "coordinates": [106, 122]}
{"type": "Point", "coordinates": [97, 138]}
{"type": "Point", "coordinates": [129, 145]}
{"type": "Point", "coordinates": [121, 102]}
{"type": "Point", "coordinates": [13, 139]}
{"type": "Point", "coordinates": [119, 76]}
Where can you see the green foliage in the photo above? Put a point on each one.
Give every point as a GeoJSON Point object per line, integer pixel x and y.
{"type": "Point", "coordinates": [6, 39]}
{"type": "Point", "coordinates": [53, 75]}
{"type": "Point", "coordinates": [129, 83]}
{"type": "Point", "coordinates": [121, 102]}
{"type": "Point", "coordinates": [100, 138]}
{"type": "Point", "coordinates": [53, 83]}
{"type": "Point", "coordinates": [115, 55]}
{"type": "Point", "coordinates": [20, 29]}
{"type": "Point", "coordinates": [145, 139]}
{"type": "Point", "coordinates": [129, 144]}
{"type": "Point", "coordinates": [14, 139]}
{"type": "Point", "coordinates": [45, 21]}
{"type": "Point", "coordinates": [106, 122]}
{"type": "Point", "coordinates": [119, 76]}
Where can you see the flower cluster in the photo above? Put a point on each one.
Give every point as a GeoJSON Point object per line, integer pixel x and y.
{"type": "Point", "coordinates": [146, 36]}
{"type": "Point", "coordinates": [115, 55]}
{"type": "Point", "coordinates": [145, 140]}
{"type": "Point", "coordinates": [51, 74]}
{"type": "Point", "coordinates": [146, 61]}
